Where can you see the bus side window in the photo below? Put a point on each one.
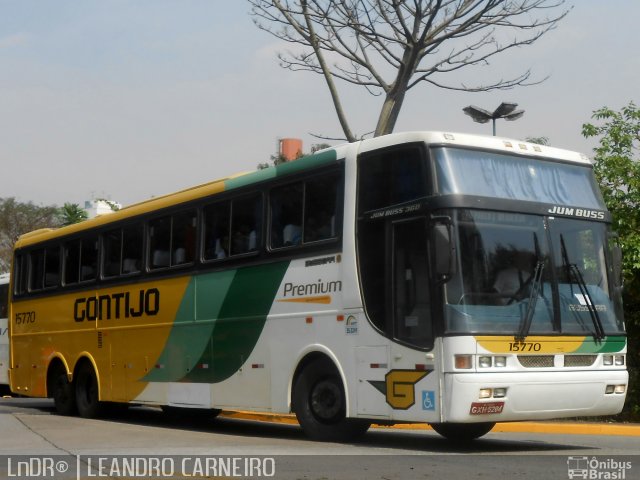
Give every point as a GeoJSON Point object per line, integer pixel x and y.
{"type": "Point", "coordinates": [21, 274]}
{"type": "Point", "coordinates": [246, 224]}
{"type": "Point", "coordinates": [52, 267]}
{"type": "Point", "coordinates": [159, 242]}
{"type": "Point", "coordinates": [72, 262]}
{"type": "Point", "coordinates": [36, 258]}
{"type": "Point", "coordinates": [216, 231]}
{"type": "Point", "coordinates": [286, 215]}
{"type": "Point", "coordinates": [112, 247]}
{"type": "Point", "coordinates": [321, 195]}
{"type": "Point", "coordinates": [132, 239]}
{"type": "Point", "coordinates": [89, 259]}
{"type": "Point", "coordinates": [183, 238]}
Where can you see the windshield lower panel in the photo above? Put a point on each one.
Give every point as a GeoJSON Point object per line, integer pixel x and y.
{"type": "Point", "coordinates": [524, 275]}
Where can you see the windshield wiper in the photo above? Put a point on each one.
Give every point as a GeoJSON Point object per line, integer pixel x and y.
{"type": "Point", "coordinates": [536, 284]}
{"type": "Point", "coordinates": [573, 270]}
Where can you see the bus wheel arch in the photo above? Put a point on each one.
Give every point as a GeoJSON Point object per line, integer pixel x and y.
{"type": "Point", "coordinates": [87, 388]}
{"type": "Point", "coordinates": [60, 388]}
{"type": "Point", "coordinates": [319, 401]}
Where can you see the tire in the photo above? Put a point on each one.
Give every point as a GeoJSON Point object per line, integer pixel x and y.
{"type": "Point", "coordinates": [462, 432]}
{"type": "Point", "coordinates": [87, 392]}
{"type": "Point", "coordinates": [62, 391]}
{"type": "Point", "coordinates": [320, 405]}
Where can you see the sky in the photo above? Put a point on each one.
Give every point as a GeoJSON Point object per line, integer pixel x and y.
{"type": "Point", "coordinates": [130, 99]}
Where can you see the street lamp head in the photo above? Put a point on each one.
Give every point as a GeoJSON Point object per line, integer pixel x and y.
{"type": "Point", "coordinates": [504, 109]}
{"type": "Point", "coordinates": [478, 114]}
{"type": "Point", "coordinates": [514, 116]}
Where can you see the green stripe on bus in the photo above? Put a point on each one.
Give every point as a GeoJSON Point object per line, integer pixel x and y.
{"type": "Point", "coordinates": [611, 344]}
{"type": "Point", "coordinates": [231, 310]}
{"type": "Point", "coordinates": [304, 163]}
{"type": "Point", "coordinates": [240, 323]}
{"type": "Point", "coordinates": [192, 327]}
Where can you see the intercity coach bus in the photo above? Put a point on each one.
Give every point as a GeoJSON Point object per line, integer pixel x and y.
{"type": "Point", "coordinates": [366, 283]}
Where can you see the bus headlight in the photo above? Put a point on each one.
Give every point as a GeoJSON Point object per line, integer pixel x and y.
{"type": "Point", "coordinates": [618, 389]}
{"type": "Point", "coordinates": [485, 393]}
{"type": "Point", "coordinates": [485, 362]}
{"type": "Point", "coordinates": [499, 392]}
{"type": "Point", "coordinates": [617, 360]}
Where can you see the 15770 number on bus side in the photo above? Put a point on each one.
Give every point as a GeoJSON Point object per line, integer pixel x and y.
{"type": "Point", "coordinates": [25, 317]}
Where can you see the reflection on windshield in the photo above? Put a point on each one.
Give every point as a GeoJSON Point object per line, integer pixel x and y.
{"type": "Point", "coordinates": [495, 175]}
{"type": "Point", "coordinates": [519, 275]}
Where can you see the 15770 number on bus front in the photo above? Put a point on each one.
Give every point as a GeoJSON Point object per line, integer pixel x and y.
{"type": "Point", "coordinates": [525, 347]}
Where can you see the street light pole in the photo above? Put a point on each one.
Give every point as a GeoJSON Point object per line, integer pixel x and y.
{"type": "Point", "coordinates": [505, 110]}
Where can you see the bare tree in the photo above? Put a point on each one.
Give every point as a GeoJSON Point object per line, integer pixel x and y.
{"type": "Point", "coordinates": [17, 218]}
{"type": "Point", "coordinates": [390, 46]}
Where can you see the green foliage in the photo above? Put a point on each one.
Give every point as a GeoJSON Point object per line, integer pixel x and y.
{"type": "Point", "coordinates": [17, 218]}
{"type": "Point", "coordinates": [617, 169]}
{"type": "Point", "coordinates": [71, 213]}
{"type": "Point", "coordinates": [618, 172]}
{"type": "Point", "coordinates": [538, 140]}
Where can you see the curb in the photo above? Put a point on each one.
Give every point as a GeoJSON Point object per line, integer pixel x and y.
{"type": "Point", "coordinates": [551, 427]}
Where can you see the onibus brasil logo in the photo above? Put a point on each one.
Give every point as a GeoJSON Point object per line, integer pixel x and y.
{"type": "Point", "coordinates": [596, 468]}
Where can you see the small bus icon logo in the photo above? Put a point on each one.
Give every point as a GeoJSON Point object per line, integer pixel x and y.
{"type": "Point", "coordinates": [578, 467]}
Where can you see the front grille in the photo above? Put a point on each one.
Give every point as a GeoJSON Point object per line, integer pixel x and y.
{"type": "Point", "coordinates": [536, 361]}
{"type": "Point", "coordinates": [579, 360]}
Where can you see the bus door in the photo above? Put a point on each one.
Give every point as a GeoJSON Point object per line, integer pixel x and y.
{"type": "Point", "coordinates": [409, 279]}
{"type": "Point", "coordinates": [402, 309]}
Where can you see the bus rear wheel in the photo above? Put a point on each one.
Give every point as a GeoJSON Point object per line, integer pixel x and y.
{"type": "Point", "coordinates": [462, 432]}
{"type": "Point", "coordinates": [61, 390]}
{"type": "Point", "coordinates": [87, 393]}
{"type": "Point", "coordinates": [319, 403]}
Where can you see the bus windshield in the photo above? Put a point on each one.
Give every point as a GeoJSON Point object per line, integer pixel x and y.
{"type": "Point", "coordinates": [495, 175]}
{"type": "Point", "coordinates": [525, 274]}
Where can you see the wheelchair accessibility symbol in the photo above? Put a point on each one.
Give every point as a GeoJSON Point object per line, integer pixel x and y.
{"type": "Point", "coordinates": [428, 400]}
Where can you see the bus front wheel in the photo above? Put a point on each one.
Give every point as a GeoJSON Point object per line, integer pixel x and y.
{"type": "Point", "coordinates": [87, 394]}
{"type": "Point", "coordinates": [320, 405]}
{"type": "Point", "coordinates": [462, 432]}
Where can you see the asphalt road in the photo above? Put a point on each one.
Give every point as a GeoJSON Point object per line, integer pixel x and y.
{"type": "Point", "coordinates": [277, 448]}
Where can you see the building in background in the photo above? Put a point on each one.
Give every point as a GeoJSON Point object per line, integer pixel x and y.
{"type": "Point", "coordinates": [100, 206]}
{"type": "Point", "coordinates": [290, 148]}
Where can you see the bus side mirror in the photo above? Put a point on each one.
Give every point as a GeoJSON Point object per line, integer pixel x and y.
{"type": "Point", "coordinates": [443, 247]}
{"type": "Point", "coordinates": [616, 258]}
{"type": "Point", "coordinates": [617, 265]}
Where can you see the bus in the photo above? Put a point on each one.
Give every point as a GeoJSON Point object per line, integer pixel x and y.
{"type": "Point", "coordinates": [4, 335]}
{"type": "Point", "coordinates": [358, 285]}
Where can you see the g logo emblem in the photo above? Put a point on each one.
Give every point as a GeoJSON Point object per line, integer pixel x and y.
{"type": "Point", "coordinates": [400, 391]}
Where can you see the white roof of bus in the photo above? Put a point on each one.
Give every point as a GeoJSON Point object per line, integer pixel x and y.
{"type": "Point", "coordinates": [499, 144]}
